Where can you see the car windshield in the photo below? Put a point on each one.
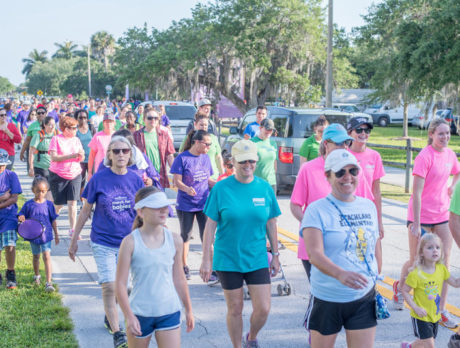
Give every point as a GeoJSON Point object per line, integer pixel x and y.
{"type": "Point", "coordinates": [302, 124]}
{"type": "Point", "coordinates": [180, 112]}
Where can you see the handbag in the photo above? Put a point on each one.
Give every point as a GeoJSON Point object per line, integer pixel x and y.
{"type": "Point", "coordinates": [381, 307]}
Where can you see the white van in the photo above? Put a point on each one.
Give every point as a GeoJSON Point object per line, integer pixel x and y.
{"type": "Point", "coordinates": [383, 114]}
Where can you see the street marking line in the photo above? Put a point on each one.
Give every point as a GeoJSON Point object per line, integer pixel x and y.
{"type": "Point", "coordinates": [288, 234]}
{"type": "Point", "coordinates": [290, 245]}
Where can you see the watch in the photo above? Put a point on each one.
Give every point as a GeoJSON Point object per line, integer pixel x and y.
{"type": "Point", "coordinates": [275, 253]}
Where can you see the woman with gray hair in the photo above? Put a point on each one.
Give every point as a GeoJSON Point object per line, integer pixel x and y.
{"type": "Point", "coordinates": [112, 189]}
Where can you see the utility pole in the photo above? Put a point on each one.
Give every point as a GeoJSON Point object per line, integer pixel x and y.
{"type": "Point", "coordinates": [89, 71]}
{"type": "Point", "coordinates": [329, 56]}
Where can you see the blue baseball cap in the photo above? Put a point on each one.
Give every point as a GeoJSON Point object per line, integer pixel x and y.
{"type": "Point", "coordinates": [336, 132]}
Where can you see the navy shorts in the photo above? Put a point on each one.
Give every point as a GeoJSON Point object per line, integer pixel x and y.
{"type": "Point", "coordinates": [234, 280]}
{"type": "Point", "coordinates": [424, 329]}
{"type": "Point", "coordinates": [151, 324]}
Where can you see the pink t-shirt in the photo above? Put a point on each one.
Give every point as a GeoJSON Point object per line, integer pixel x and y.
{"type": "Point", "coordinates": [70, 168]}
{"type": "Point", "coordinates": [371, 169]}
{"type": "Point", "coordinates": [435, 167]}
{"type": "Point", "coordinates": [311, 184]}
{"type": "Point", "coordinates": [99, 145]}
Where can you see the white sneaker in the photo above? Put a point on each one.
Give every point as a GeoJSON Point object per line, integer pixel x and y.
{"type": "Point", "coordinates": [447, 320]}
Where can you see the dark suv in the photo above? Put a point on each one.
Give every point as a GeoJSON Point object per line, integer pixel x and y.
{"type": "Point", "coordinates": [292, 125]}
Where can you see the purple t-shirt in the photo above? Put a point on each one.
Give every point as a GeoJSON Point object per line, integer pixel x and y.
{"type": "Point", "coordinates": [195, 171]}
{"type": "Point", "coordinates": [53, 113]}
{"type": "Point", "coordinates": [165, 121]}
{"type": "Point", "coordinates": [43, 212]}
{"type": "Point", "coordinates": [8, 216]}
{"type": "Point", "coordinates": [114, 198]}
{"type": "Point", "coordinates": [21, 118]}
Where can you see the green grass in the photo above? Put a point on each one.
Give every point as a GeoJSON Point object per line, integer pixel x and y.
{"type": "Point", "coordinates": [387, 135]}
{"type": "Point", "coordinates": [394, 192]}
{"type": "Point", "coordinates": [30, 317]}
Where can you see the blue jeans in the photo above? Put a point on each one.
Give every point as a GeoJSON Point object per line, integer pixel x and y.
{"type": "Point", "coordinates": [106, 262]}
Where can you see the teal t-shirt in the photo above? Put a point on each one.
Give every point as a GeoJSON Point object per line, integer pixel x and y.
{"type": "Point", "coordinates": [151, 148]}
{"type": "Point", "coordinates": [45, 159]}
{"type": "Point", "coordinates": [241, 212]}
{"type": "Point", "coordinates": [309, 148]}
{"type": "Point", "coordinates": [267, 150]}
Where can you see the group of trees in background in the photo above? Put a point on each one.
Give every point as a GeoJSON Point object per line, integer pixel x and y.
{"type": "Point", "coordinates": [407, 51]}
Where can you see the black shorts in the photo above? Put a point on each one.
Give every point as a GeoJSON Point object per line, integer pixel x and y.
{"type": "Point", "coordinates": [328, 318]}
{"type": "Point", "coordinates": [64, 190]}
{"type": "Point", "coordinates": [234, 280]}
{"type": "Point", "coordinates": [424, 329]}
{"type": "Point", "coordinates": [186, 223]}
{"type": "Point", "coordinates": [427, 225]}
{"type": "Point", "coordinates": [84, 172]}
{"type": "Point", "coordinates": [42, 172]}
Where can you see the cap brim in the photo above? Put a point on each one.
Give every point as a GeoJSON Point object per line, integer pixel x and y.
{"type": "Point", "coordinates": [340, 138]}
{"type": "Point", "coordinates": [246, 157]}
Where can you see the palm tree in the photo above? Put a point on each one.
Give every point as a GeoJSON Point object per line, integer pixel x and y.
{"type": "Point", "coordinates": [65, 50]}
{"type": "Point", "coordinates": [34, 57]}
{"type": "Point", "coordinates": [103, 46]}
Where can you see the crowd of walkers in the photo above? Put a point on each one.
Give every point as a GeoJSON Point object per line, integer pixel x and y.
{"type": "Point", "coordinates": [117, 160]}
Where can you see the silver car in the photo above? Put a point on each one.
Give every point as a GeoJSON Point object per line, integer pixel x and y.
{"type": "Point", "coordinates": [293, 126]}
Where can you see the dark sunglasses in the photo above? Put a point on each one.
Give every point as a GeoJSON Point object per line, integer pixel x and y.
{"type": "Point", "coordinates": [346, 142]}
{"type": "Point", "coordinates": [247, 161]}
{"type": "Point", "coordinates": [41, 113]}
{"type": "Point", "coordinates": [2, 115]}
{"type": "Point", "coordinates": [206, 144]}
{"type": "Point", "coordinates": [118, 151]}
{"type": "Point", "coordinates": [365, 130]}
{"type": "Point", "coordinates": [73, 128]}
{"type": "Point", "coordinates": [229, 165]}
{"type": "Point", "coordinates": [353, 171]}
{"type": "Point", "coordinates": [150, 118]}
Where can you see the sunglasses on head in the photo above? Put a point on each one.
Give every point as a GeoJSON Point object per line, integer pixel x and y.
{"type": "Point", "coordinates": [118, 151]}
{"type": "Point", "coordinates": [365, 130]}
{"type": "Point", "coordinates": [353, 171]}
{"type": "Point", "coordinates": [247, 161]}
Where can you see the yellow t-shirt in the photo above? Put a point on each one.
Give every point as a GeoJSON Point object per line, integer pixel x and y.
{"type": "Point", "coordinates": [427, 291]}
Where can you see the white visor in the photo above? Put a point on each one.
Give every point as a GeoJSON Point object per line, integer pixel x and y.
{"type": "Point", "coordinates": [155, 201]}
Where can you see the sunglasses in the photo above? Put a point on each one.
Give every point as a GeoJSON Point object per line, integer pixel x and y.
{"type": "Point", "coordinates": [2, 115]}
{"type": "Point", "coordinates": [206, 144]}
{"type": "Point", "coordinates": [247, 161]}
{"type": "Point", "coordinates": [365, 130]}
{"type": "Point", "coordinates": [229, 165]}
{"type": "Point", "coordinates": [353, 171]}
{"type": "Point", "coordinates": [72, 128]}
{"type": "Point", "coordinates": [118, 151]}
{"type": "Point", "coordinates": [346, 142]}
{"type": "Point", "coordinates": [150, 118]}
{"type": "Point", "coordinates": [41, 113]}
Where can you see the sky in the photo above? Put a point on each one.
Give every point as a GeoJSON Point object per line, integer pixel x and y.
{"type": "Point", "coordinates": [29, 24]}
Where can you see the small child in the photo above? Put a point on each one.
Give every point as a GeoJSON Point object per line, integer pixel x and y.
{"type": "Point", "coordinates": [427, 278]}
{"type": "Point", "coordinates": [154, 256]}
{"type": "Point", "coordinates": [41, 210]}
{"type": "Point", "coordinates": [228, 167]}
{"type": "Point", "coordinates": [10, 188]}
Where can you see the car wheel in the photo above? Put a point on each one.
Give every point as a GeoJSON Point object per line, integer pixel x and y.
{"type": "Point", "coordinates": [383, 121]}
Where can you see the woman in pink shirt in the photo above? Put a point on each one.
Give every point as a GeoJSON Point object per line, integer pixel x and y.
{"type": "Point", "coordinates": [99, 144]}
{"type": "Point", "coordinates": [428, 210]}
{"type": "Point", "coordinates": [311, 183]}
{"type": "Point", "coordinates": [66, 153]}
{"type": "Point", "coordinates": [371, 165]}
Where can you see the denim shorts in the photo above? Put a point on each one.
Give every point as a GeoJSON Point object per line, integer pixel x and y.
{"type": "Point", "coordinates": [37, 249]}
{"type": "Point", "coordinates": [151, 324]}
{"type": "Point", "coordinates": [106, 262]}
{"type": "Point", "coordinates": [8, 238]}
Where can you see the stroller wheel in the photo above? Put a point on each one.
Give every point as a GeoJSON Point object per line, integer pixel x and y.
{"type": "Point", "coordinates": [287, 289]}
{"type": "Point", "coordinates": [279, 289]}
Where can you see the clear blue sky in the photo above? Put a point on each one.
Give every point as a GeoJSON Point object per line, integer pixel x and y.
{"type": "Point", "coordinates": [30, 24]}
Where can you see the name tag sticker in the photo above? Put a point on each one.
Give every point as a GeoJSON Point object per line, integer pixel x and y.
{"type": "Point", "coordinates": [259, 202]}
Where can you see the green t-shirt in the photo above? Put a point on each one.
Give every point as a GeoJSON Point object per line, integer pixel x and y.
{"type": "Point", "coordinates": [241, 212]}
{"type": "Point", "coordinates": [427, 291]}
{"type": "Point", "coordinates": [267, 151]}
{"type": "Point", "coordinates": [213, 151]}
{"type": "Point", "coordinates": [43, 145]}
{"type": "Point", "coordinates": [455, 201]}
{"type": "Point", "coordinates": [33, 129]}
{"type": "Point", "coordinates": [151, 148]}
{"type": "Point", "coordinates": [118, 125]}
{"type": "Point", "coordinates": [309, 148]}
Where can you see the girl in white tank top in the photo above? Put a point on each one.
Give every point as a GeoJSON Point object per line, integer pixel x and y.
{"type": "Point", "coordinates": [154, 256]}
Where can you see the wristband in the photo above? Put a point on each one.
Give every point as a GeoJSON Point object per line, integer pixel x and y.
{"type": "Point", "coordinates": [275, 253]}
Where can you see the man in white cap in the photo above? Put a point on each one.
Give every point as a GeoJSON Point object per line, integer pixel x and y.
{"type": "Point", "coordinates": [204, 108]}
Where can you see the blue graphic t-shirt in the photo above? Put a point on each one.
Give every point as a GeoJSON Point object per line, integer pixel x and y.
{"type": "Point", "coordinates": [343, 246]}
{"type": "Point", "coordinates": [252, 129]}
{"type": "Point", "coordinates": [8, 216]}
{"type": "Point", "coordinates": [43, 212]}
{"type": "Point", "coordinates": [195, 171]}
{"type": "Point", "coordinates": [114, 198]}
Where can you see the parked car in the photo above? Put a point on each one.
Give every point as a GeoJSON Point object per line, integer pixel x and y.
{"type": "Point", "coordinates": [420, 122]}
{"type": "Point", "coordinates": [180, 114]}
{"type": "Point", "coordinates": [383, 114]}
{"type": "Point", "coordinates": [452, 119]}
{"type": "Point", "coordinates": [352, 108]}
{"type": "Point", "coordinates": [292, 125]}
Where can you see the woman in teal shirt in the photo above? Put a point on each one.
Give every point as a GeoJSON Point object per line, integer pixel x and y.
{"type": "Point", "coordinates": [242, 211]}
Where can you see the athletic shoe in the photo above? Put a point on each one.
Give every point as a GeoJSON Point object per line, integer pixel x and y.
{"type": "Point", "coordinates": [119, 340]}
{"type": "Point", "coordinates": [107, 325]}
{"type": "Point", "coordinates": [406, 345]}
{"type": "Point", "coordinates": [49, 287]}
{"type": "Point", "coordinates": [398, 300]}
{"type": "Point", "coordinates": [37, 279]}
{"type": "Point", "coordinates": [447, 320]}
{"type": "Point", "coordinates": [213, 279]}
{"type": "Point", "coordinates": [11, 279]}
{"type": "Point", "coordinates": [187, 273]}
{"type": "Point", "coordinates": [249, 344]}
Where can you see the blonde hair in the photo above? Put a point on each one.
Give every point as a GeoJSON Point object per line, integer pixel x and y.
{"type": "Point", "coordinates": [427, 238]}
{"type": "Point", "coordinates": [140, 195]}
{"type": "Point", "coordinates": [433, 126]}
